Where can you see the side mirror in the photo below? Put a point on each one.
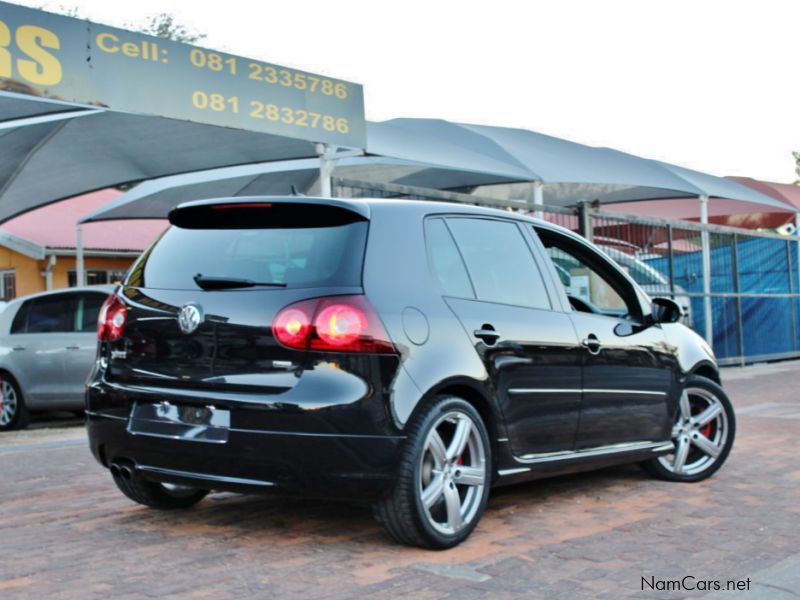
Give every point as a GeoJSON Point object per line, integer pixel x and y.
{"type": "Point", "coordinates": [665, 310]}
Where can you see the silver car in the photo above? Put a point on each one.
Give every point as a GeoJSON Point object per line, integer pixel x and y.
{"type": "Point", "coordinates": [47, 347]}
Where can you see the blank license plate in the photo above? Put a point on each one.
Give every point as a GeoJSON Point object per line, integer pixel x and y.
{"type": "Point", "coordinates": [180, 422]}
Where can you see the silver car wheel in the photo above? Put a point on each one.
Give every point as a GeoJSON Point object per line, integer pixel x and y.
{"type": "Point", "coordinates": [700, 433]}
{"type": "Point", "coordinates": [8, 403]}
{"type": "Point", "coordinates": [452, 473]}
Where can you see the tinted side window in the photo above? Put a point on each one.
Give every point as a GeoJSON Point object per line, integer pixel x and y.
{"type": "Point", "coordinates": [52, 314]}
{"type": "Point", "coordinates": [590, 283]}
{"type": "Point", "coordinates": [446, 261]}
{"type": "Point", "coordinates": [500, 262]}
{"type": "Point", "coordinates": [20, 322]}
{"type": "Point", "coordinates": [582, 282]}
{"type": "Point", "coordinates": [87, 312]}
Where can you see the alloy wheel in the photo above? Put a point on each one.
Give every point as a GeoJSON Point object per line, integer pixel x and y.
{"type": "Point", "coordinates": [9, 403]}
{"type": "Point", "coordinates": [452, 473]}
{"type": "Point", "coordinates": [700, 433]}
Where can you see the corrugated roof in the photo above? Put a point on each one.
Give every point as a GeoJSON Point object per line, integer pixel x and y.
{"type": "Point", "coordinates": [53, 226]}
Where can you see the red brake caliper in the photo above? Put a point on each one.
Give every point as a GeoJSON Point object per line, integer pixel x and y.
{"type": "Point", "coordinates": [706, 431]}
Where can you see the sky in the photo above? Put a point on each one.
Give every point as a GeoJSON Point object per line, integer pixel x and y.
{"type": "Point", "coordinates": [711, 85]}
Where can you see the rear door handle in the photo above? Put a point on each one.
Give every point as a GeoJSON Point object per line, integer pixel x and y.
{"type": "Point", "coordinates": [487, 333]}
{"type": "Point", "coordinates": [592, 344]}
{"type": "Point", "coordinates": [73, 347]}
{"type": "Point", "coordinates": [18, 348]}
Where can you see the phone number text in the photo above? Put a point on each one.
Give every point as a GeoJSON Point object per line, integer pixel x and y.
{"type": "Point", "coordinates": [257, 109]}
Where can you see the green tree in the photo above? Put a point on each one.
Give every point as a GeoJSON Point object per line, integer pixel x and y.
{"type": "Point", "coordinates": [163, 25]}
{"type": "Point", "coordinates": [796, 167]}
{"type": "Point", "coordinates": [67, 11]}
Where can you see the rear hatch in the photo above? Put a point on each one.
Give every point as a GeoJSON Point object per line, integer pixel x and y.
{"type": "Point", "coordinates": [235, 264]}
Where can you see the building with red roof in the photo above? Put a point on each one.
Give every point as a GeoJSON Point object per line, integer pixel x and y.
{"type": "Point", "coordinates": [37, 249]}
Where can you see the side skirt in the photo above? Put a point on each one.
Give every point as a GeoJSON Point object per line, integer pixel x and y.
{"type": "Point", "coordinates": [516, 469]}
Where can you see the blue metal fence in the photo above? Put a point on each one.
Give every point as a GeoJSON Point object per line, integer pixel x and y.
{"type": "Point", "coordinates": [753, 299]}
{"type": "Point", "coordinates": [754, 285]}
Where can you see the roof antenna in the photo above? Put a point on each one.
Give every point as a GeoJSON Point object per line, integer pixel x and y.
{"type": "Point", "coordinates": [295, 192]}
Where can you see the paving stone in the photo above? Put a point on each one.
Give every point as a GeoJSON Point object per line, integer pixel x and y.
{"type": "Point", "coordinates": [66, 532]}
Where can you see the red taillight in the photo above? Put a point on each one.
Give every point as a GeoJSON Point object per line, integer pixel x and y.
{"type": "Point", "coordinates": [292, 326]}
{"type": "Point", "coordinates": [338, 323]}
{"type": "Point", "coordinates": [111, 320]}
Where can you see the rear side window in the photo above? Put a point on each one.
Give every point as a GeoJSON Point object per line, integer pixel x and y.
{"type": "Point", "coordinates": [499, 262]}
{"type": "Point", "coordinates": [88, 309]}
{"type": "Point", "coordinates": [48, 314]}
{"type": "Point", "coordinates": [294, 257]}
{"type": "Point", "coordinates": [20, 322]}
{"type": "Point", "coordinates": [446, 261]}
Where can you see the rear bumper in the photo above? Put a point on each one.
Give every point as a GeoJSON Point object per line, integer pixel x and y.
{"type": "Point", "coordinates": [341, 446]}
{"type": "Point", "coordinates": [315, 465]}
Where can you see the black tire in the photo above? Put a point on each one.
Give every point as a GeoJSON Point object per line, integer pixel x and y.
{"type": "Point", "coordinates": [19, 418]}
{"type": "Point", "coordinates": [152, 494]}
{"type": "Point", "coordinates": [402, 512]}
{"type": "Point", "coordinates": [727, 419]}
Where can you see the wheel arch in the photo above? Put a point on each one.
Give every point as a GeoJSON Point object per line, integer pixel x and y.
{"type": "Point", "coordinates": [21, 417]}
{"type": "Point", "coordinates": [474, 393]}
{"type": "Point", "coordinates": [5, 372]}
{"type": "Point", "coordinates": [706, 369]}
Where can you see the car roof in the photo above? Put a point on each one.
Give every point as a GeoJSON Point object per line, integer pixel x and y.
{"type": "Point", "coordinates": [104, 288]}
{"type": "Point", "coordinates": [85, 288]}
{"type": "Point", "coordinates": [366, 206]}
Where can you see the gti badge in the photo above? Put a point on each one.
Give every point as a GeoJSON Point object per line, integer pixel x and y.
{"type": "Point", "coordinates": [190, 317]}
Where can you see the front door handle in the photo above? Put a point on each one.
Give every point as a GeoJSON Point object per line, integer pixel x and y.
{"type": "Point", "coordinates": [592, 344]}
{"type": "Point", "coordinates": [73, 347]}
{"type": "Point", "coordinates": [18, 348]}
{"type": "Point", "coordinates": [487, 333]}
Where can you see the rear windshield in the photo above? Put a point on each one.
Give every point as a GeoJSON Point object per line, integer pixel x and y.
{"type": "Point", "coordinates": [296, 257]}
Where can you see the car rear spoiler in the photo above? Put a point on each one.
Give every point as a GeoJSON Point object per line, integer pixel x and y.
{"type": "Point", "coordinates": [268, 212]}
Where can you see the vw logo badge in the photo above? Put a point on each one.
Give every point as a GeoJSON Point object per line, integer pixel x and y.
{"type": "Point", "coordinates": [190, 317]}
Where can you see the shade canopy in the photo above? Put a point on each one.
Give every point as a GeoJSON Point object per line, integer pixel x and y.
{"type": "Point", "coordinates": [571, 172]}
{"type": "Point", "coordinates": [727, 188]}
{"type": "Point", "coordinates": [785, 192]}
{"type": "Point", "coordinates": [58, 236]}
{"type": "Point", "coordinates": [494, 162]}
{"type": "Point", "coordinates": [750, 215]}
{"type": "Point", "coordinates": [542, 157]}
{"type": "Point", "coordinates": [155, 198]}
{"type": "Point", "coordinates": [51, 150]}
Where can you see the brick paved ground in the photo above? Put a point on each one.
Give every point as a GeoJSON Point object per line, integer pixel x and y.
{"type": "Point", "coordinates": [66, 532]}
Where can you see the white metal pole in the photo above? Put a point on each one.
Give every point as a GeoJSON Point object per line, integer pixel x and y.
{"type": "Point", "coordinates": [326, 166]}
{"type": "Point", "coordinates": [48, 272]}
{"type": "Point", "coordinates": [706, 251]}
{"type": "Point", "coordinates": [797, 245]}
{"type": "Point", "coordinates": [538, 198]}
{"type": "Point", "coordinates": [79, 270]}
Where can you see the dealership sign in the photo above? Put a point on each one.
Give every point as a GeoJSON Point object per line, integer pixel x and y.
{"type": "Point", "coordinates": [75, 60]}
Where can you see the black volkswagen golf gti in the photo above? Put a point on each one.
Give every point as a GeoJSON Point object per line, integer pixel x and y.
{"type": "Point", "coordinates": [409, 354]}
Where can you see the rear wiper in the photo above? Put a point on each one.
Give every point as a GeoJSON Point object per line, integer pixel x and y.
{"type": "Point", "coordinates": [222, 283]}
